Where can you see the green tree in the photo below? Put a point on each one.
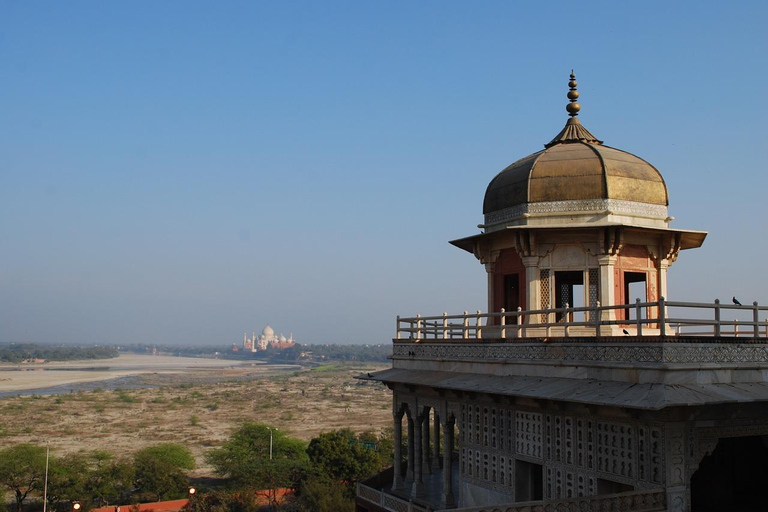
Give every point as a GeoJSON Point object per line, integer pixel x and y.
{"type": "Point", "coordinates": [245, 460]}
{"type": "Point", "coordinates": [66, 479]}
{"type": "Point", "coordinates": [319, 494]}
{"type": "Point", "coordinates": [342, 456]}
{"type": "Point", "coordinates": [159, 470]}
{"type": "Point", "coordinates": [109, 480]}
{"type": "Point", "coordinates": [22, 468]}
{"type": "Point", "coordinates": [385, 445]}
{"type": "Point", "coordinates": [222, 501]}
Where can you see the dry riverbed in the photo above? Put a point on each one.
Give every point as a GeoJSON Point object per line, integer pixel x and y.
{"type": "Point", "coordinates": [198, 406]}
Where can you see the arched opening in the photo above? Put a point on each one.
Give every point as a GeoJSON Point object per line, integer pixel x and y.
{"type": "Point", "coordinates": [733, 477]}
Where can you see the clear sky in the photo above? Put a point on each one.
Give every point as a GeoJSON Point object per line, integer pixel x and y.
{"type": "Point", "coordinates": [181, 172]}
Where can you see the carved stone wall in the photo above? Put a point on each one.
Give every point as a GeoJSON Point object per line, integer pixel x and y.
{"type": "Point", "coordinates": [574, 451]}
{"type": "Point", "coordinates": [580, 350]}
{"type": "Point", "coordinates": [578, 454]}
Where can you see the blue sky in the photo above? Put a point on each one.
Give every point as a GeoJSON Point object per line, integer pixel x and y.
{"type": "Point", "coordinates": [181, 172]}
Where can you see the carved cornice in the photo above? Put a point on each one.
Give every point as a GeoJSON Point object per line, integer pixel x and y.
{"type": "Point", "coordinates": [608, 206]}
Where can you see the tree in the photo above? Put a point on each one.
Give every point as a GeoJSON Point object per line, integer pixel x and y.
{"type": "Point", "coordinates": [159, 470]}
{"type": "Point", "coordinates": [22, 468]}
{"type": "Point", "coordinates": [221, 501]}
{"type": "Point", "coordinates": [319, 494]}
{"type": "Point", "coordinates": [245, 460]}
{"type": "Point", "coordinates": [109, 480]}
{"type": "Point", "coordinates": [66, 479]}
{"type": "Point", "coordinates": [342, 456]}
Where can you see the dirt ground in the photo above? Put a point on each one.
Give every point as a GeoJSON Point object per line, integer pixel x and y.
{"type": "Point", "coordinates": [199, 409]}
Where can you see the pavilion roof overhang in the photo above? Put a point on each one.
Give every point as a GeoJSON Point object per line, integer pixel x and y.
{"type": "Point", "coordinates": [689, 239]}
{"type": "Point", "coordinates": [644, 396]}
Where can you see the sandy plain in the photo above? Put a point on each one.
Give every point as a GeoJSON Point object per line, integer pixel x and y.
{"type": "Point", "coordinates": [27, 376]}
{"type": "Point", "coordinates": [197, 403]}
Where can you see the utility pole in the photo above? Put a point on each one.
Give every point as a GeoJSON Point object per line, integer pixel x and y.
{"type": "Point", "coordinates": [45, 486]}
{"type": "Point", "coordinates": [270, 444]}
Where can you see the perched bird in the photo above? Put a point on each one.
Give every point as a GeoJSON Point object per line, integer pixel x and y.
{"type": "Point", "coordinates": [626, 332]}
{"type": "Point", "coordinates": [736, 301]}
{"type": "Point", "coordinates": [369, 375]}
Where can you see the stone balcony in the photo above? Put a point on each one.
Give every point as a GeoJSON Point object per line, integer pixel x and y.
{"type": "Point", "coordinates": [701, 354]}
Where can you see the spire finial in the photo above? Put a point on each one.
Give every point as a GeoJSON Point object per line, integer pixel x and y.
{"type": "Point", "coordinates": [573, 107]}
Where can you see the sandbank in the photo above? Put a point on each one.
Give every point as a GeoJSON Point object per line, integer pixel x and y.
{"type": "Point", "coordinates": [19, 377]}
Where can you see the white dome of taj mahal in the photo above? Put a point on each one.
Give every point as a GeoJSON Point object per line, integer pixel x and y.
{"type": "Point", "coordinates": [268, 331]}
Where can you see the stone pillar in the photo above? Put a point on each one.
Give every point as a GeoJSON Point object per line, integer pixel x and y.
{"type": "Point", "coordinates": [663, 266]}
{"type": "Point", "coordinates": [448, 500]}
{"type": "Point", "coordinates": [411, 447]}
{"type": "Point", "coordinates": [436, 443]}
{"type": "Point", "coordinates": [418, 481]}
{"type": "Point", "coordinates": [677, 484]}
{"type": "Point", "coordinates": [532, 286]}
{"type": "Point", "coordinates": [397, 480]}
{"type": "Point", "coordinates": [607, 281]}
{"type": "Point", "coordinates": [489, 267]}
{"type": "Point", "coordinates": [425, 466]}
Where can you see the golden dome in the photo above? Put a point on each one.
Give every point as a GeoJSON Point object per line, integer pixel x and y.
{"type": "Point", "coordinates": [575, 166]}
{"type": "Point", "coordinates": [574, 171]}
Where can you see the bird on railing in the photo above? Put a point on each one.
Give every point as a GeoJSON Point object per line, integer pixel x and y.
{"type": "Point", "coordinates": [736, 301]}
{"type": "Point", "coordinates": [626, 332]}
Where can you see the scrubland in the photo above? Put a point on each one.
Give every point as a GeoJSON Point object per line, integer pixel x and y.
{"type": "Point", "coordinates": [199, 411]}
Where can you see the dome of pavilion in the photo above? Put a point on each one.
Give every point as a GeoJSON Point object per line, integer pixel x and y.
{"type": "Point", "coordinates": [575, 172]}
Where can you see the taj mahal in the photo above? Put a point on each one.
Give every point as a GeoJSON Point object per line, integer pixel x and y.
{"type": "Point", "coordinates": [267, 338]}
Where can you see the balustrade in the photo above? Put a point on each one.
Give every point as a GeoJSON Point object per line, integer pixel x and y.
{"type": "Point", "coordinates": [661, 318]}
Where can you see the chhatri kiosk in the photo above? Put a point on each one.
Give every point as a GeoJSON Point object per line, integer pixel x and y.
{"type": "Point", "coordinates": [582, 388]}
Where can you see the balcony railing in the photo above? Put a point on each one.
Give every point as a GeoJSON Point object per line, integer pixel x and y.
{"type": "Point", "coordinates": [661, 318]}
{"type": "Point", "coordinates": [387, 501]}
{"type": "Point", "coordinates": [633, 501]}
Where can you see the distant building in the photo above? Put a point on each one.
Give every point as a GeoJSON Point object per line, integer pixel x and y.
{"type": "Point", "coordinates": [266, 339]}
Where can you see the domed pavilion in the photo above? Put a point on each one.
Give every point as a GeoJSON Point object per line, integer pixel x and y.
{"type": "Point", "coordinates": [576, 224]}
{"type": "Point", "coordinates": [581, 387]}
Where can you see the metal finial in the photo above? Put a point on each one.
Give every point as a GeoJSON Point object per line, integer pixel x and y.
{"type": "Point", "coordinates": [573, 107]}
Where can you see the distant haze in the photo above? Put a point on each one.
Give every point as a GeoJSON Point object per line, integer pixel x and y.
{"type": "Point", "coordinates": [182, 172]}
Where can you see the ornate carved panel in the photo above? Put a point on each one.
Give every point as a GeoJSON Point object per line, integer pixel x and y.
{"type": "Point", "coordinates": [597, 352]}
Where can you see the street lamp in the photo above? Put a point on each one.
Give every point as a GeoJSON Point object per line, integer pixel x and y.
{"type": "Point", "coordinates": [270, 442]}
{"type": "Point", "coordinates": [45, 486]}
{"type": "Point", "coordinates": [76, 505]}
{"type": "Point", "coordinates": [192, 491]}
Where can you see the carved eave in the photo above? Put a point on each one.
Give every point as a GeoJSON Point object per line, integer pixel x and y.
{"type": "Point", "coordinates": [612, 238]}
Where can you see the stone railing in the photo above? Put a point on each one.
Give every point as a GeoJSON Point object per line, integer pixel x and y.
{"type": "Point", "coordinates": [634, 501]}
{"type": "Point", "coordinates": [386, 501]}
{"type": "Point", "coordinates": [660, 319]}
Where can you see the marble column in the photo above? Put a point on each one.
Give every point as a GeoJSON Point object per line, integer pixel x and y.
{"type": "Point", "coordinates": [448, 500]}
{"type": "Point", "coordinates": [397, 479]}
{"type": "Point", "coordinates": [425, 466]}
{"type": "Point", "coordinates": [489, 267]}
{"type": "Point", "coordinates": [436, 443]}
{"type": "Point", "coordinates": [532, 287]}
{"type": "Point", "coordinates": [607, 283]}
{"type": "Point", "coordinates": [411, 447]}
{"type": "Point", "coordinates": [418, 480]}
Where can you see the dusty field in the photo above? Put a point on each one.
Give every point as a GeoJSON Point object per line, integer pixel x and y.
{"type": "Point", "coordinates": [15, 377]}
{"type": "Point", "coordinates": [198, 409]}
